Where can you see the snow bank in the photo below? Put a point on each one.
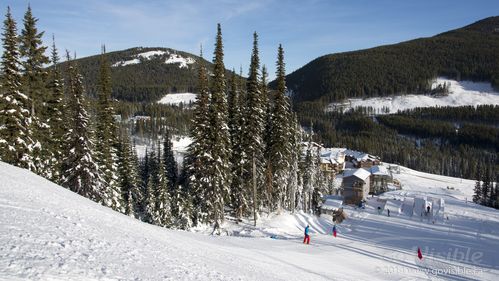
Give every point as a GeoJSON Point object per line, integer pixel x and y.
{"type": "Point", "coordinates": [461, 93]}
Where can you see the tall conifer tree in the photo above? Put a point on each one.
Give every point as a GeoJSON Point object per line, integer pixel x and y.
{"type": "Point", "coordinates": [280, 149]}
{"type": "Point", "coordinates": [239, 200]}
{"type": "Point", "coordinates": [16, 143]}
{"type": "Point", "coordinates": [34, 81]}
{"type": "Point", "coordinates": [219, 139]}
{"type": "Point", "coordinates": [79, 172]}
{"type": "Point", "coordinates": [55, 113]}
{"type": "Point", "coordinates": [106, 136]}
{"type": "Point", "coordinates": [254, 125]}
{"type": "Point", "coordinates": [197, 160]}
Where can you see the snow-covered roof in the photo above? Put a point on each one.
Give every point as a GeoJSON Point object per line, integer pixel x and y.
{"type": "Point", "coordinates": [359, 173]}
{"type": "Point", "coordinates": [379, 170]}
{"type": "Point", "coordinates": [360, 156]}
{"type": "Point", "coordinates": [332, 204]}
{"type": "Point", "coordinates": [333, 155]}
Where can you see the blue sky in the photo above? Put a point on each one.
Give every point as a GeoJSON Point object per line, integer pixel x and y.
{"type": "Point", "coordinates": [307, 28]}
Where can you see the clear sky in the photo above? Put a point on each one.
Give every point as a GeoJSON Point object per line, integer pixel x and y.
{"type": "Point", "coordinates": [306, 28]}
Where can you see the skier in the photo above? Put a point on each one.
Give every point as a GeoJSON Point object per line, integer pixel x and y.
{"type": "Point", "coordinates": [379, 210]}
{"type": "Point", "coordinates": [307, 237]}
{"type": "Point", "coordinates": [388, 210]}
{"type": "Point", "coordinates": [334, 230]}
{"type": "Point", "coordinates": [428, 209]}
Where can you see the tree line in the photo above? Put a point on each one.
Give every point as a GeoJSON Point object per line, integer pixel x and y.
{"type": "Point", "coordinates": [245, 158]}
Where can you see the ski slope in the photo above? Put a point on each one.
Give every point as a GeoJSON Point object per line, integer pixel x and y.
{"type": "Point", "coordinates": [461, 93]}
{"type": "Point", "coordinates": [177, 99]}
{"type": "Point", "coordinates": [50, 233]}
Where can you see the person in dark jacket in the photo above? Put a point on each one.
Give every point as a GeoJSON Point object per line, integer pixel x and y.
{"type": "Point", "coordinates": [307, 236]}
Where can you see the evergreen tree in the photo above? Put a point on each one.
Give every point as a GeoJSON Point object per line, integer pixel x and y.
{"type": "Point", "coordinates": [268, 194]}
{"type": "Point", "coordinates": [34, 83]}
{"type": "Point", "coordinates": [171, 170]}
{"type": "Point", "coordinates": [197, 160]}
{"type": "Point", "coordinates": [253, 128]}
{"type": "Point", "coordinates": [239, 200]}
{"type": "Point", "coordinates": [294, 177]}
{"type": "Point", "coordinates": [219, 139]}
{"type": "Point", "coordinates": [55, 112]}
{"type": "Point", "coordinates": [163, 199]}
{"type": "Point", "coordinates": [151, 214]}
{"type": "Point", "coordinates": [183, 208]}
{"type": "Point", "coordinates": [106, 138]}
{"type": "Point", "coordinates": [486, 187]}
{"type": "Point", "coordinates": [477, 196]}
{"type": "Point", "coordinates": [34, 71]}
{"type": "Point", "coordinates": [127, 176]}
{"type": "Point", "coordinates": [280, 149]}
{"type": "Point", "coordinates": [16, 143]}
{"type": "Point", "coordinates": [79, 172]}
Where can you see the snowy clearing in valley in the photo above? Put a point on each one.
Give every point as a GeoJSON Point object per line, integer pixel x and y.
{"type": "Point", "coordinates": [49, 232]}
{"type": "Point", "coordinates": [461, 93]}
{"type": "Point", "coordinates": [177, 99]}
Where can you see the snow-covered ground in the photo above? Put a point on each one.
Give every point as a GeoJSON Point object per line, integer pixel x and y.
{"type": "Point", "coordinates": [177, 99]}
{"type": "Point", "coordinates": [461, 93]}
{"type": "Point", "coordinates": [50, 233]}
{"type": "Point", "coordinates": [180, 145]}
{"type": "Point", "coordinates": [170, 58]}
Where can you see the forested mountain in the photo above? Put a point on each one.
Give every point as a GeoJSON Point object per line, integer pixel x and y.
{"type": "Point", "coordinates": [143, 74]}
{"type": "Point", "coordinates": [471, 53]}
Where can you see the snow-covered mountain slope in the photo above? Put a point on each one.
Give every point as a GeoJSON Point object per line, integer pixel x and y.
{"type": "Point", "coordinates": [177, 99]}
{"type": "Point", "coordinates": [50, 233]}
{"type": "Point", "coordinates": [461, 93]}
{"type": "Point", "coordinates": [168, 57]}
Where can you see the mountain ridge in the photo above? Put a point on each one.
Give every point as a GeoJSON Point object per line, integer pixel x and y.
{"type": "Point", "coordinates": [470, 52]}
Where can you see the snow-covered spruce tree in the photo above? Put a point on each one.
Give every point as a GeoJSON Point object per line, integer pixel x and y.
{"type": "Point", "coordinates": [197, 160]}
{"type": "Point", "coordinates": [486, 186]}
{"type": "Point", "coordinates": [171, 169]}
{"type": "Point", "coordinates": [34, 84]}
{"type": "Point", "coordinates": [268, 200]}
{"type": "Point", "coordinates": [106, 137]}
{"type": "Point", "coordinates": [138, 194]}
{"type": "Point", "coordinates": [182, 208]}
{"type": "Point", "coordinates": [294, 177]}
{"type": "Point", "coordinates": [79, 173]}
{"type": "Point", "coordinates": [219, 170]}
{"type": "Point", "coordinates": [239, 200]}
{"type": "Point", "coordinates": [477, 196]}
{"type": "Point", "coordinates": [280, 145]}
{"type": "Point", "coordinates": [55, 113]}
{"type": "Point", "coordinates": [253, 128]}
{"type": "Point", "coordinates": [151, 214]}
{"type": "Point", "coordinates": [309, 175]}
{"type": "Point", "coordinates": [163, 199]}
{"type": "Point", "coordinates": [127, 176]}
{"type": "Point", "coordinates": [16, 143]}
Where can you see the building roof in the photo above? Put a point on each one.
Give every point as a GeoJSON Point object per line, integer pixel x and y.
{"type": "Point", "coordinates": [379, 170]}
{"type": "Point", "coordinates": [332, 202]}
{"type": "Point", "coordinates": [360, 156]}
{"type": "Point", "coordinates": [361, 173]}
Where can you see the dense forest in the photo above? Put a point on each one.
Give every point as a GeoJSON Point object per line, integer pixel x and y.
{"type": "Point", "coordinates": [451, 141]}
{"type": "Point", "coordinates": [471, 52]}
